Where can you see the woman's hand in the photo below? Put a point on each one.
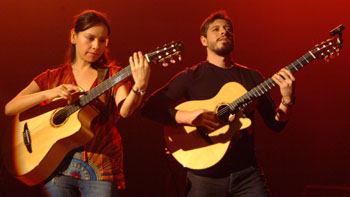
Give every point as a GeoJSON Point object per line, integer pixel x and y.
{"type": "Point", "coordinates": [64, 91]}
{"type": "Point", "coordinates": [140, 71]}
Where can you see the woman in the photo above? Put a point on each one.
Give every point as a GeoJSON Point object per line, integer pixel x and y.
{"type": "Point", "coordinates": [97, 168]}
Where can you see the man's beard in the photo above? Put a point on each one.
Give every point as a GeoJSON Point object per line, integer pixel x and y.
{"type": "Point", "coordinates": [224, 50]}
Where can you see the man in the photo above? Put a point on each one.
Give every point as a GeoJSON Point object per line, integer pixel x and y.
{"type": "Point", "coordinates": [237, 173]}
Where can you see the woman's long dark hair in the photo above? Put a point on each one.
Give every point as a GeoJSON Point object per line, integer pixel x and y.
{"type": "Point", "coordinates": [84, 21]}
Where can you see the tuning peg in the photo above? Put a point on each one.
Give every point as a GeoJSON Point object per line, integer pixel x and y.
{"type": "Point", "coordinates": [326, 58]}
{"type": "Point", "coordinates": [172, 61]}
{"type": "Point", "coordinates": [179, 57]}
{"type": "Point", "coordinates": [165, 64]}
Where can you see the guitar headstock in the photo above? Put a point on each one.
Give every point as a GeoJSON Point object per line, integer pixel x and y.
{"type": "Point", "coordinates": [330, 48]}
{"type": "Point", "coordinates": [168, 51]}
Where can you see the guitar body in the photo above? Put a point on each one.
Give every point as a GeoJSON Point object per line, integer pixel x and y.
{"type": "Point", "coordinates": [186, 144]}
{"type": "Point", "coordinates": [195, 150]}
{"type": "Point", "coordinates": [43, 135]}
{"type": "Point", "coordinates": [49, 144]}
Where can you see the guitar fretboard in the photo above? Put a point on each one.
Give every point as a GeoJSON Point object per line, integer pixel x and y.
{"type": "Point", "coordinates": [93, 94]}
{"type": "Point", "coordinates": [105, 85]}
{"type": "Point", "coordinates": [159, 55]}
{"type": "Point", "coordinates": [265, 86]}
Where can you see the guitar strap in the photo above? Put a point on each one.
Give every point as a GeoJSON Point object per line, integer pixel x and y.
{"type": "Point", "coordinates": [103, 99]}
{"type": "Point", "coordinates": [101, 75]}
{"type": "Point", "coordinates": [101, 103]}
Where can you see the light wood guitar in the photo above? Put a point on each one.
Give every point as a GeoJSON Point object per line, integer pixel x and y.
{"type": "Point", "coordinates": [198, 149]}
{"type": "Point", "coordinates": [43, 135]}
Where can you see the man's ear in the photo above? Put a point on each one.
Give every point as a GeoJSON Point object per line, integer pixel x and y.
{"type": "Point", "coordinates": [73, 37]}
{"type": "Point", "coordinates": [204, 41]}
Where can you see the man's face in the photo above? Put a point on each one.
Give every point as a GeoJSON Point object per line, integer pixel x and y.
{"type": "Point", "coordinates": [219, 37]}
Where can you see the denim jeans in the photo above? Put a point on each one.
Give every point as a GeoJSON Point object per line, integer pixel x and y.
{"type": "Point", "coordinates": [66, 186]}
{"type": "Point", "coordinates": [248, 182]}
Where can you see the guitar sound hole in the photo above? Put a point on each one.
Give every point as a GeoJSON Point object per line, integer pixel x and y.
{"type": "Point", "coordinates": [223, 113]}
{"type": "Point", "coordinates": [59, 117]}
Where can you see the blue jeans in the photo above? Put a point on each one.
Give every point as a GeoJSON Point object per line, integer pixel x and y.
{"type": "Point", "coordinates": [66, 186]}
{"type": "Point", "coordinates": [248, 182]}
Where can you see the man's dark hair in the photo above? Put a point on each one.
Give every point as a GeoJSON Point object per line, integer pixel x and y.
{"type": "Point", "coordinates": [221, 14]}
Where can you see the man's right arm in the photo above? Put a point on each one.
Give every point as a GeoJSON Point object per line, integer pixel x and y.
{"type": "Point", "coordinates": [198, 118]}
{"type": "Point", "coordinates": [160, 105]}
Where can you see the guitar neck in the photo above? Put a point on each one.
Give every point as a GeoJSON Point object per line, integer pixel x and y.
{"type": "Point", "coordinates": [175, 48]}
{"type": "Point", "coordinates": [96, 92]}
{"type": "Point", "coordinates": [158, 55]}
{"type": "Point", "coordinates": [104, 86]}
{"type": "Point", "coordinates": [268, 84]}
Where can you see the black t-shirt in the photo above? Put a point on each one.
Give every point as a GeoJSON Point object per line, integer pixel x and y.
{"type": "Point", "coordinates": [203, 82]}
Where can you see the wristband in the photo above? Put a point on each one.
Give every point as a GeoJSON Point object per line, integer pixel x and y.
{"type": "Point", "coordinates": [139, 92]}
{"type": "Point", "coordinates": [292, 102]}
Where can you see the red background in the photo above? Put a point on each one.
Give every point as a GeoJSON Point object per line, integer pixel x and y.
{"type": "Point", "coordinates": [312, 151]}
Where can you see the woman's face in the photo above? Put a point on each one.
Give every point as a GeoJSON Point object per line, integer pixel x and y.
{"type": "Point", "coordinates": [90, 44]}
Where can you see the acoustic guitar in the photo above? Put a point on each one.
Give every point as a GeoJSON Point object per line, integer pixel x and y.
{"type": "Point", "coordinates": [196, 148]}
{"type": "Point", "coordinates": [43, 135]}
